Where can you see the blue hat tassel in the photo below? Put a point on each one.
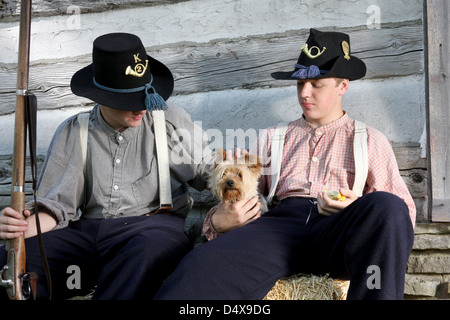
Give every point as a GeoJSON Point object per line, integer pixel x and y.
{"type": "Point", "coordinates": [153, 101]}
{"type": "Point", "coordinates": [310, 72]}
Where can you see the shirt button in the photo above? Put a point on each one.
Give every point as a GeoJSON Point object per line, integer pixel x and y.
{"type": "Point", "coordinates": [315, 159]}
{"type": "Point", "coordinates": [116, 187]}
{"type": "Point", "coordinates": [120, 138]}
{"type": "Point", "coordinates": [118, 161]}
{"type": "Point", "coordinates": [319, 133]}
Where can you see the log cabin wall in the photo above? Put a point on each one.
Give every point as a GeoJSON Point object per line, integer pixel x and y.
{"type": "Point", "coordinates": [221, 53]}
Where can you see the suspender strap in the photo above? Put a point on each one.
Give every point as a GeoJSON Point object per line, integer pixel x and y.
{"type": "Point", "coordinates": [162, 152]}
{"type": "Point", "coordinates": [276, 157]}
{"type": "Point", "coordinates": [83, 121]}
{"type": "Point", "coordinates": [361, 157]}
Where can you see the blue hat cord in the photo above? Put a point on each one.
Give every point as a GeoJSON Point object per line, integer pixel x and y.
{"type": "Point", "coordinates": [307, 72]}
{"type": "Point", "coordinates": [153, 101]}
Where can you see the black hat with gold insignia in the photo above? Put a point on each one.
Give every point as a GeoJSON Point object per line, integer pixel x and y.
{"type": "Point", "coordinates": [123, 76]}
{"type": "Point", "coordinates": [325, 55]}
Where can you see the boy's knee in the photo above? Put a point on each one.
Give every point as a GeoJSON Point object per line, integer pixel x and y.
{"type": "Point", "coordinates": [387, 207]}
{"type": "Point", "coordinates": [385, 202]}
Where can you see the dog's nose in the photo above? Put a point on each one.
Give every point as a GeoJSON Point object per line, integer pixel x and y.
{"type": "Point", "coordinates": [230, 183]}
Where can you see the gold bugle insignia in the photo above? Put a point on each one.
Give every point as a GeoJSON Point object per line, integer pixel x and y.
{"type": "Point", "coordinates": [346, 49]}
{"type": "Point", "coordinates": [309, 53]}
{"type": "Point", "coordinates": [138, 71]}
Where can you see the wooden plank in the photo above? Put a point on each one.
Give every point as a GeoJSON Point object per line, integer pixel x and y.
{"type": "Point", "coordinates": [5, 179]}
{"type": "Point", "coordinates": [438, 53]}
{"type": "Point", "coordinates": [408, 156]}
{"type": "Point", "coordinates": [10, 10]}
{"type": "Point", "coordinates": [220, 65]}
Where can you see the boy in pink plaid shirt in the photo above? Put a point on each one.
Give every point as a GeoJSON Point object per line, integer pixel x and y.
{"type": "Point", "coordinates": [307, 231]}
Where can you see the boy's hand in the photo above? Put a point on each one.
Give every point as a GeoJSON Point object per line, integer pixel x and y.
{"type": "Point", "coordinates": [229, 216]}
{"type": "Point", "coordinates": [236, 153]}
{"type": "Point", "coordinates": [328, 206]}
{"type": "Point", "coordinates": [12, 224]}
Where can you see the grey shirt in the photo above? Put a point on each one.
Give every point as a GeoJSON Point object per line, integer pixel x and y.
{"type": "Point", "coordinates": [122, 174]}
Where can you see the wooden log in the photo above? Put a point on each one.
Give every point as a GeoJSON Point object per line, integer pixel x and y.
{"type": "Point", "coordinates": [408, 156]}
{"type": "Point", "coordinates": [9, 10]}
{"type": "Point", "coordinates": [6, 178]}
{"type": "Point", "coordinates": [229, 64]}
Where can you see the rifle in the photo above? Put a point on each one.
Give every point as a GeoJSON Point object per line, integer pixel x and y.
{"type": "Point", "coordinates": [20, 284]}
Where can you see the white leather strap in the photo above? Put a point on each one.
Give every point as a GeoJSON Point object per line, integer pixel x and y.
{"type": "Point", "coordinates": [83, 121]}
{"type": "Point", "coordinates": [162, 155]}
{"type": "Point", "coordinates": [361, 157]}
{"type": "Point", "coordinates": [276, 157]}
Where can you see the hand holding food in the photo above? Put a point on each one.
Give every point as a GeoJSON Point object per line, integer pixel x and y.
{"type": "Point", "coordinates": [334, 195]}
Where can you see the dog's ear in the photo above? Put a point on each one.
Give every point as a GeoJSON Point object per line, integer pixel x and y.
{"type": "Point", "coordinates": [253, 163]}
{"type": "Point", "coordinates": [221, 156]}
{"type": "Point", "coordinates": [224, 154]}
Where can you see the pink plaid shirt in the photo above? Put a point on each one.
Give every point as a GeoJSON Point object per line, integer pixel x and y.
{"type": "Point", "coordinates": [315, 159]}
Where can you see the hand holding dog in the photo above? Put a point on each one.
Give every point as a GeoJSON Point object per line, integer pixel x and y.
{"type": "Point", "coordinates": [328, 206]}
{"type": "Point", "coordinates": [231, 216]}
{"type": "Point", "coordinates": [234, 154]}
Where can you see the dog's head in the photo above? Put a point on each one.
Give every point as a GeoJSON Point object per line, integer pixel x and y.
{"type": "Point", "coordinates": [235, 179]}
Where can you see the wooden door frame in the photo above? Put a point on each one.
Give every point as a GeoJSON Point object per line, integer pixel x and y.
{"type": "Point", "coordinates": [437, 55]}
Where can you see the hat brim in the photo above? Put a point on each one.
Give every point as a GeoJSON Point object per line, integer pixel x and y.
{"type": "Point", "coordinates": [82, 85]}
{"type": "Point", "coordinates": [352, 69]}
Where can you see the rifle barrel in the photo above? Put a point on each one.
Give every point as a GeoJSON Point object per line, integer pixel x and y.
{"type": "Point", "coordinates": [16, 247]}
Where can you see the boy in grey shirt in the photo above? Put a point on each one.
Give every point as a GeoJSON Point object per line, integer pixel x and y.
{"type": "Point", "coordinates": [119, 244]}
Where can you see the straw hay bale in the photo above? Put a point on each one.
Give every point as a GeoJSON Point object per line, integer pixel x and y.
{"type": "Point", "coordinates": [308, 287]}
{"type": "Point", "coordinates": [296, 287]}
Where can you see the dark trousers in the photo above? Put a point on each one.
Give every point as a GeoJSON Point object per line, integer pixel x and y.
{"type": "Point", "coordinates": [125, 258]}
{"type": "Point", "coordinates": [369, 242]}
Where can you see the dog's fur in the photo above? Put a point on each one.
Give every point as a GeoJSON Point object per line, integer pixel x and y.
{"type": "Point", "coordinates": [235, 180]}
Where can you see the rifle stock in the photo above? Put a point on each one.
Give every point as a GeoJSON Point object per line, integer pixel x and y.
{"type": "Point", "coordinates": [14, 271]}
